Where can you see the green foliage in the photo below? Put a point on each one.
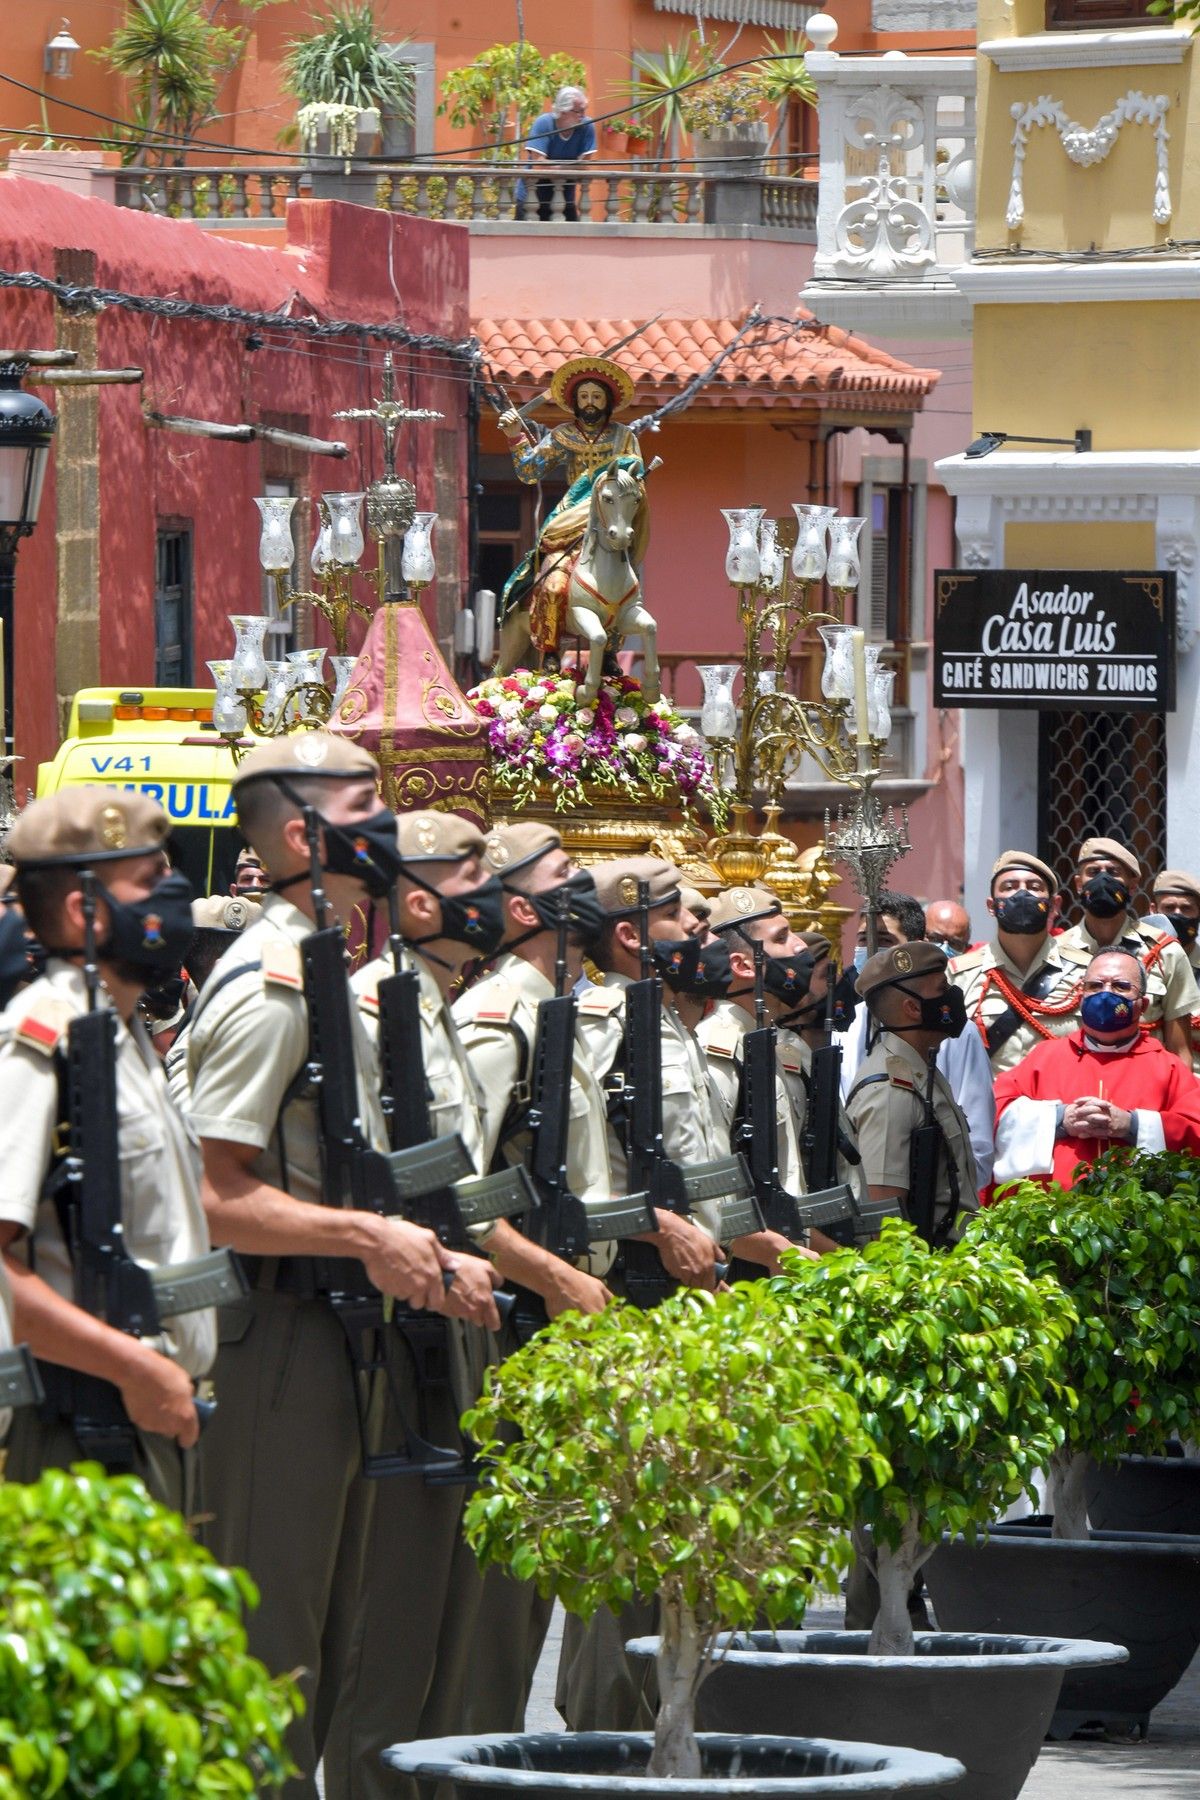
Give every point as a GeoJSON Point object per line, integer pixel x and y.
{"type": "Point", "coordinates": [1125, 1244]}
{"type": "Point", "coordinates": [504, 89]}
{"type": "Point", "coordinates": [123, 1664]}
{"type": "Point", "coordinates": [346, 63]}
{"type": "Point", "coordinates": [785, 77]}
{"type": "Point", "coordinates": [175, 58]}
{"type": "Point", "coordinates": [959, 1372]}
{"type": "Point", "coordinates": [654, 92]}
{"type": "Point", "coordinates": [703, 1451]}
{"type": "Point", "coordinates": [735, 98]}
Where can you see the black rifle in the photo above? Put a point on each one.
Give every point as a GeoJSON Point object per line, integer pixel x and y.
{"type": "Point", "coordinates": [823, 1140]}
{"type": "Point", "coordinates": [925, 1151]}
{"type": "Point", "coordinates": [356, 1175]}
{"type": "Point", "coordinates": [756, 1135]}
{"type": "Point", "coordinates": [109, 1283]}
{"type": "Point", "coordinates": [563, 1224]}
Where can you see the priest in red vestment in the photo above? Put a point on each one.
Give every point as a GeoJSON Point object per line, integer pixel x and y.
{"type": "Point", "coordinates": [1074, 1097]}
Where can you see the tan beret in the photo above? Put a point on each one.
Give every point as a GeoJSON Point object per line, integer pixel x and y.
{"type": "Point", "coordinates": [1118, 853]}
{"type": "Point", "coordinates": [313, 755]}
{"type": "Point", "coordinates": [697, 903]}
{"type": "Point", "coordinates": [82, 825]}
{"type": "Point", "coordinates": [817, 945]}
{"type": "Point", "coordinates": [900, 963]}
{"type": "Point", "coordinates": [741, 905]}
{"type": "Point", "coordinates": [512, 847]}
{"type": "Point", "coordinates": [224, 912]}
{"type": "Point", "coordinates": [1021, 859]}
{"type": "Point", "coordinates": [1174, 881]}
{"type": "Point", "coordinates": [248, 857]}
{"type": "Point", "coordinates": [617, 883]}
{"type": "Point", "coordinates": [437, 837]}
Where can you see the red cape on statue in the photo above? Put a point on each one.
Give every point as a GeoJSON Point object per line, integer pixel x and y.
{"type": "Point", "coordinates": [1147, 1079]}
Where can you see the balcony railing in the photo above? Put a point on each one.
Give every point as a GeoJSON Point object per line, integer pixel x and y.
{"type": "Point", "coordinates": [896, 212]}
{"type": "Point", "coordinates": [622, 196]}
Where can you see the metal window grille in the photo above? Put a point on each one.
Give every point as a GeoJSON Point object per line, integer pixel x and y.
{"type": "Point", "coordinates": [1101, 775]}
{"type": "Point", "coordinates": [173, 607]}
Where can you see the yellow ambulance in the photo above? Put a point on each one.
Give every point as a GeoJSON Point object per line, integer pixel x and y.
{"type": "Point", "coordinates": [161, 742]}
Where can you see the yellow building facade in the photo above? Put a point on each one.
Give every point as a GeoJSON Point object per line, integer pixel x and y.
{"type": "Point", "coordinates": [1085, 293]}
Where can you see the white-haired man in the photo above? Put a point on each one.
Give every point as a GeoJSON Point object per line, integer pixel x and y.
{"type": "Point", "coordinates": [564, 134]}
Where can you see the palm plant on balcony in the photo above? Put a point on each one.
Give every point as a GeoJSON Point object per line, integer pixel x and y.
{"type": "Point", "coordinates": [662, 81]}
{"type": "Point", "coordinates": [346, 76]}
{"type": "Point", "coordinates": [785, 81]}
{"type": "Point", "coordinates": [174, 57]}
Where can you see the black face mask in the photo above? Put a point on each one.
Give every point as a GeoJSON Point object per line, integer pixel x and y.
{"type": "Point", "coordinates": [150, 935]}
{"type": "Point", "coordinates": [788, 977]}
{"type": "Point", "coordinates": [677, 960]}
{"type": "Point", "coordinates": [1105, 895]}
{"type": "Point", "coordinates": [714, 974]}
{"type": "Point", "coordinates": [1022, 913]}
{"type": "Point", "coordinates": [585, 915]}
{"type": "Point", "coordinates": [1185, 930]}
{"type": "Point", "coordinates": [367, 850]}
{"type": "Point", "coordinates": [845, 998]}
{"type": "Point", "coordinates": [16, 964]}
{"type": "Point", "coordinates": [475, 918]}
{"type": "Point", "coordinates": [945, 1013]}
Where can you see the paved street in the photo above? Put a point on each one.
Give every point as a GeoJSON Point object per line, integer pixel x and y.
{"type": "Point", "coordinates": [1165, 1768]}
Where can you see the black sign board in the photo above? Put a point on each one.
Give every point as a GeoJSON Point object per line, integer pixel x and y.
{"type": "Point", "coordinates": [1101, 639]}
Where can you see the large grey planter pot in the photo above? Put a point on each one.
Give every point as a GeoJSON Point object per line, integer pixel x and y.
{"type": "Point", "coordinates": [986, 1702]}
{"type": "Point", "coordinates": [1137, 1589]}
{"type": "Point", "coordinates": [1146, 1493]}
{"type": "Point", "coordinates": [613, 1763]}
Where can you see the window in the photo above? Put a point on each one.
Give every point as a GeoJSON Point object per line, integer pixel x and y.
{"type": "Point", "coordinates": [1086, 15]}
{"type": "Point", "coordinates": [888, 589]}
{"type": "Point", "coordinates": [281, 632]}
{"type": "Point", "coordinates": [1101, 775]}
{"type": "Point", "coordinates": [173, 605]}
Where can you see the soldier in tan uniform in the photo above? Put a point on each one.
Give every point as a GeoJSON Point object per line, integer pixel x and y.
{"type": "Point", "coordinates": [217, 920]}
{"type": "Point", "coordinates": [1020, 989]}
{"type": "Point", "coordinates": [497, 1022]}
{"type": "Point", "coordinates": [909, 993]}
{"type": "Point", "coordinates": [1177, 897]}
{"type": "Point", "coordinates": [741, 916]}
{"type": "Point", "coordinates": [803, 1029]}
{"type": "Point", "coordinates": [113, 842]}
{"type": "Point", "coordinates": [287, 1491]}
{"type": "Point", "coordinates": [1107, 875]}
{"type": "Point", "coordinates": [412, 1683]}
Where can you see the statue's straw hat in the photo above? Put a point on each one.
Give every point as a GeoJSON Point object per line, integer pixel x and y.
{"type": "Point", "coordinates": [568, 376]}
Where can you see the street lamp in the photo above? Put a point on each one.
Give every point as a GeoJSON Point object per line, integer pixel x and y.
{"type": "Point", "coordinates": [27, 428]}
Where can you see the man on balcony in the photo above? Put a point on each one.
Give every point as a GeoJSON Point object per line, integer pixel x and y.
{"type": "Point", "coordinates": [564, 134]}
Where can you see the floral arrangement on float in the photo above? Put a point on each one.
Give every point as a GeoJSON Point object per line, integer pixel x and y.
{"type": "Point", "coordinates": [545, 743]}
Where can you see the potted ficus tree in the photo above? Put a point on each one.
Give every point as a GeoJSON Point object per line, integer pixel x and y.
{"type": "Point", "coordinates": [123, 1663]}
{"type": "Point", "coordinates": [955, 1359]}
{"type": "Point", "coordinates": [706, 1451]}
{"type": "Point", "coordinates": [1124, 1243]}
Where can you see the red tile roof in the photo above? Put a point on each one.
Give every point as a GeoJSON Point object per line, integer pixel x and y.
{"type": "Point", "coordinates": [790, 364]}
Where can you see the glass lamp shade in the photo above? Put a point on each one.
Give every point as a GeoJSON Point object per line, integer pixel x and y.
{"type": "Point", "coordinates": [811, 552]}
{"type": "Point", "coordinates": [771, 558]}
{"type": "Point", "coordinates": [277, 687]}
{"type": "Point", "coordinates": [416, 558]}
{"type": "Point", "coordinates": [27, 427]}
{"type": "Point", "coordinates": [343, 668]}
{"type": "Point", "coordinates": [229, 715]}
{"type": "Point", "coordinates": [346, 541]}
{"type": "Point", "coordinates": [718, 713]}
{"type": "Point", "coordinates": [306, 666]}
{"type": "Point", "coordinates": [743, 563]}
{"type": "Point", "coordinates": [879, 704]}
{"type": "Point", "coordinates": [321, 551]}
{"type": "Point", "coordinates": [276, 551]}
{"type": "Point", "coordinates": [247, 669]}
{"type": "Point", "coordinates": [844, 568]}
{"type": "Point", "coordinates": [837, 677]}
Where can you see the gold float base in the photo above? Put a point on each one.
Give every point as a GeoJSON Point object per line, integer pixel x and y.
{"type": "Point", "coordinates": [613, 826]}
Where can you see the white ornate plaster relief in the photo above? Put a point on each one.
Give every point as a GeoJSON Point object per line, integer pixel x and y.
{"type": "Point", "coordinates": [1086, 147]}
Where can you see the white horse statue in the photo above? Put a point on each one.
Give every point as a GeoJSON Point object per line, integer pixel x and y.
{"type": "Point", "coordinates": [596, 594]}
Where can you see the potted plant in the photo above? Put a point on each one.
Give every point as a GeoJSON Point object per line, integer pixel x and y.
{"type": "Point", "coordinates": [502, 90]}
{"type": "Point", "coordinates": [346, 78]}
{"type": "Point", "coordinates": [123, 1664]}
{"type": "Point", "coordinates": [956, 1361]}
{"type": "Point", "coordinates": [660, 84]}
{"type": "Point", "coordinates": [1125, 1244]}
{"type": "Point", "coordinates": [725, 117]}
{"type": "Point", "coordinates": [707, 1452]}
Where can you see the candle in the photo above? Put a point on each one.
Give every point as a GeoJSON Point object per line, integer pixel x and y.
{"type": "Point", "coordinates": [858, 650]}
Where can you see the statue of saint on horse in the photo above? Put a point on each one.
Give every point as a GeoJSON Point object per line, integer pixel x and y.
{"type": "Point", "coordinates": [584, 570]}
